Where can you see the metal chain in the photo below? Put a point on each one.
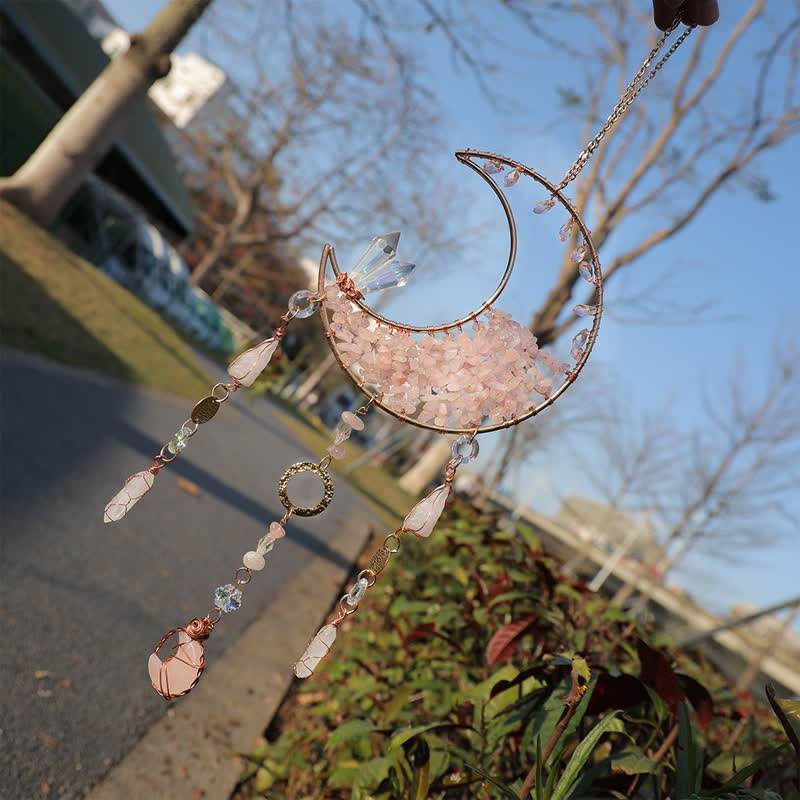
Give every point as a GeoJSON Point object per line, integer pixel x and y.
{"type": "Point", "coordinates": [628, 96]}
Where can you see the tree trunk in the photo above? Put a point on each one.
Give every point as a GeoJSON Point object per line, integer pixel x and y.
{"type": "Point", "coordinates": [314, 379]}
{"type": "Point", "coordinates": [84, 135]}
{"type": "Point", "coordinates": [428, 467]}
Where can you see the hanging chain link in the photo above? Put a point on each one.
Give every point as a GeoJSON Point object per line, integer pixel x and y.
{"type": "Point", "coordinates": [628, 96]}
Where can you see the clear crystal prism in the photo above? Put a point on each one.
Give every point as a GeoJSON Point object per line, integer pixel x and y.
{"type": "Point", "coordinates": [376, 271]}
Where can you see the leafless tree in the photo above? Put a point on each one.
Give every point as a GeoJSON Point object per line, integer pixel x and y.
{"type": "Point", "coordinates": [735, 488]}
{"type": "Point", "coordinates": [323, 136]}
{"type": "Point", "coordinates": [682, 142]}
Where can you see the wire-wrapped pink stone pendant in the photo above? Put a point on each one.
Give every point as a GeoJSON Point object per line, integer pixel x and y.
{"type": "Point", "coordinates": [425, 514]}
{"type": "Point", "coordinates": [135, 488]}
{"type": "Point", "coordinates": [250, 364]}
{"type": "Point", "coordinates": [317, 649]}
{"type": "Point", "coordinates": [180, 670]}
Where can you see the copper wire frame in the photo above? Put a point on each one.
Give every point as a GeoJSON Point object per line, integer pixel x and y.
{"type": "Point", "coordinates": [466, 157]}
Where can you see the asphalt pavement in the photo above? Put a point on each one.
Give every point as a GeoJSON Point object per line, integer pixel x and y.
{"type": "Point", "coordinates": [84, 603]}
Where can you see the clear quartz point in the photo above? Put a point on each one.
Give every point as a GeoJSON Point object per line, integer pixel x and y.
{"type": "Point", "coordinates": [380, 251]}
{"type": "Point", "coordinates": [387, 276]}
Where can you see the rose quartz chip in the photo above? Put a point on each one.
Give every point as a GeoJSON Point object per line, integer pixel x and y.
{"type": "Point", "coordinates": [135, 488]}
{"type": "Point", "coordinates": [178, 672]}
{"type": "Point", "coordinates": [353, 421]}
{"type": "Point", "coordinates": [276, 530]}
{"type": "Point", "coordinates": [426, 513]}
{"type": "Point", "coordinates": [250, 364]}
{"type": "Point", "coordinates": [317, 649]}
{"type": "Point", "coordinates": [336, 451]}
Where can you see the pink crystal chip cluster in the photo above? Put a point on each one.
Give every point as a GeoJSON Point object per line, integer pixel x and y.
{"type": "Point", "coordinates": [494, 370]}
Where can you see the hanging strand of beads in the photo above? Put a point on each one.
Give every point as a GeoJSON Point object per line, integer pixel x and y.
{"type": "Point", "coordinates": [244, 370]}
{"type": "Point", "coordinates": [179, 672]}
{"type": "Point", "coordinates": [420, 521]}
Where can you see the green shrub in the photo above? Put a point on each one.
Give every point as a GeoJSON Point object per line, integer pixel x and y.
{"type": "Point", "coordinates": [472, 664]}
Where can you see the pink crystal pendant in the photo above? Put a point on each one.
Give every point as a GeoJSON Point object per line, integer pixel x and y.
{"type": "Point", "coordinates": [317, 649]}
{"type": "Point", "coordinates": [135, 488]}
{"type": "Point", "coordinates": [179, 672]}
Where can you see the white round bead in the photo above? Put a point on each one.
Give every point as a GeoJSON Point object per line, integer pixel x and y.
{"type": "Point", "coordinates": [253, 560]}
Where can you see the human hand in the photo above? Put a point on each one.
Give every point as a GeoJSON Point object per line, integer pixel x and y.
{"type": "Point", "coordinates": [695, 12]}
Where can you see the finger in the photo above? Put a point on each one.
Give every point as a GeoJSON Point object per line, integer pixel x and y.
{"type": "Point", "coordinates": [701, 12]}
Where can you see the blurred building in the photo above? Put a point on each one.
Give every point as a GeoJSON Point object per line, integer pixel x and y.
{"type": "Point", "coordinates": [769, 628]}
{"type": "Point", "coordinates": [608, 527]}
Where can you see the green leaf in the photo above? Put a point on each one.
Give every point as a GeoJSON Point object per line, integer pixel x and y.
{"type": "Point", "coordinates": [482, 691]}
{"type": "Point", "coordinates": [743, 774]}
{"type": "Point", "coordinates": [582, 668]}
{"type": "Point", "coordinates": [504, 787]}
{"type": "Point", "coordinates": [633, 761]}
{"type": "Point", "coordinates": [400, 738]}
{"type": "Point", "coordinates": [689, 767]}
{"type": "Point", "coordinates": [580, 757]}
{"type": "Point", "coordinates": [355, 729]}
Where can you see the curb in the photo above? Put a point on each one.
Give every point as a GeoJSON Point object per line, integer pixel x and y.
{"type": "Point", "coordinates": [191, 752]}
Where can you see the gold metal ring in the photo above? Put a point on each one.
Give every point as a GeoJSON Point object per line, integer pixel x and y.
{"type": "Point", "coordinates": [327, 483]}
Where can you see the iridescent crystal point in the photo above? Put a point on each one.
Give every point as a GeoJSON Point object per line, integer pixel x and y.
{"type": "Point", "coordinates": [376, 270]}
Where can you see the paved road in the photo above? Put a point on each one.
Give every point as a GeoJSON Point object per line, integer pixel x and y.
{"type": "Point", "coordinates": [84, 603]}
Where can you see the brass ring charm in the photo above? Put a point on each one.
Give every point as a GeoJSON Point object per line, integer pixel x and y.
{"type": "Point", "coordinates": [327, 483]}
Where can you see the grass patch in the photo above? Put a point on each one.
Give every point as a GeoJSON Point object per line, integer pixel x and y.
{"type": "Point", "coordinates": [57, 305]}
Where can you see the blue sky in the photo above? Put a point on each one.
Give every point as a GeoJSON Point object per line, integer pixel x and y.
{"type": "Point", "coordinates": [738, 252]}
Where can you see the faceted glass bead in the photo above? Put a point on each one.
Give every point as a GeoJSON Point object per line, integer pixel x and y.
{"type": "Point", "coordinates": [584, 310]}
{"type": "Point", "coordinates": [585, 270]}
{"type": "Point", "coordinates": [544, 206]}
{"type": "Point", "coordinates": [228, 598]}
{"type": "Point", "coordinates": [179, 441]}
{"type": "Point", "coordinates": [510, 178]}
{"type": "Point", "coordinates": [465, 449]}
{"type": "Point", "coordinates": [357, 592]}
{"type": "Point", "coordinates": [580, 338]}
{"type": "Point", "coordinates": [303, 303]}
{"type": "Point", "coordinates": [343, 431]}
{"type": "Point", "coordinates": [492, 167]}
{"type": "Point", "coordinates": [265, 544]}
{"type": "Point", "coordinates": [577, 255]}
{"type": "Point", "coordinates": [565, 231]}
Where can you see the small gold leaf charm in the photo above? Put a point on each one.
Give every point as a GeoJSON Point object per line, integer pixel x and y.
{"type": "Point", "coordinates": [205, 410]}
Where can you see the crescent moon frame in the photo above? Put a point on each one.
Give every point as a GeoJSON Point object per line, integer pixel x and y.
{"type": "Point", "coordinates": [466, 157]}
